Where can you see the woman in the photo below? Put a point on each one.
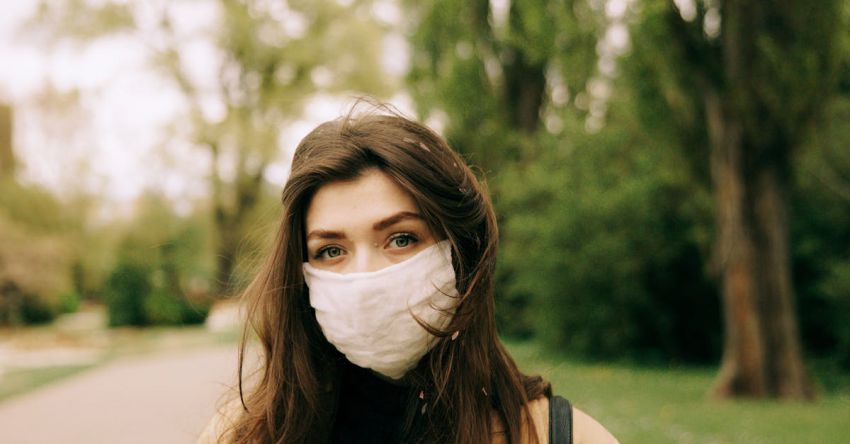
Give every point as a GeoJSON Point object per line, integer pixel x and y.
{"type": "Point", "coordinates": [375, 309]}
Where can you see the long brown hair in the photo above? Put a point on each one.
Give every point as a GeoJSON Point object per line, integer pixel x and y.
{"type": "Point", "coordinates": [467, 377]}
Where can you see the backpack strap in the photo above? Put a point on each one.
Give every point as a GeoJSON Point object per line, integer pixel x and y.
{"type": "Point", "coordinates": [560, 421]}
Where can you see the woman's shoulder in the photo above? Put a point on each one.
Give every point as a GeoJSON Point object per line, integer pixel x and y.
{"type": "Point", "coordinates": [219, 428]}
{"type": "Point", "coordinates": [590, 431]}
{"type": "Point", "coordinates": [584, 429]}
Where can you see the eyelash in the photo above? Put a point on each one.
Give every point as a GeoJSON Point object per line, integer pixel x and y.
{"type": "Point", "coordinates": [409, 236]}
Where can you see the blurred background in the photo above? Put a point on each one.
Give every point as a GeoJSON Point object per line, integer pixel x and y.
{"type": "Point", "coordinates": [672, 179]}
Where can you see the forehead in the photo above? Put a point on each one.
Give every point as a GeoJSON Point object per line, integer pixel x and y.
{"type": "Point", "coordinates": [369, 197]}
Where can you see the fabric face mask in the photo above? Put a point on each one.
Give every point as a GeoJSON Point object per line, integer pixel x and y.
{"type": "Point", "coordinates": [367, 315]}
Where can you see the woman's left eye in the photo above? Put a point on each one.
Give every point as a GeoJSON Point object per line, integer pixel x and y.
{"type": "Point", "coordinates": [402, 240]}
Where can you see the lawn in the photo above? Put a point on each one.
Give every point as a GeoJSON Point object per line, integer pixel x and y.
{"type": "Point", "coordinates": [18, 381]}
{"type": "Point", "coordinates": [656, 405]}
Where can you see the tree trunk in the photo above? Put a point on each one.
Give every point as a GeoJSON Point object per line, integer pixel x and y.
{"type": "Point", "coordinates": [227, 238]}
{"type": "Point", "coordinates": [229, 216]}
{"type": "Point", "coordinates": [762, 354]}
{"type": "Point", "coordinates": [785, 372]}
{"type": "Point", "coordinates": [7, 152]}
{"type": "Point", "coordinates": [525, 87]}
{"type": "Point", "coordinates": [742, 369]}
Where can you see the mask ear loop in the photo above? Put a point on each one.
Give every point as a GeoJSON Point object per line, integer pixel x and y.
{"type": "Point", "coordinates": [447, 312]}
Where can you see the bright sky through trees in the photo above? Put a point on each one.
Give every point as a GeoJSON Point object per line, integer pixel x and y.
{"type": "Point", "coordinates": [123, 107]}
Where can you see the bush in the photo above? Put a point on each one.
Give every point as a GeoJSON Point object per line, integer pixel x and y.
{"type": "Point", "coordinates": [136, 296]}
{"type": "Point", "coordinates": [163, 308]}
{"type": "Point", "coordinates": [34, 273]}
{"type": "Point", "coordinates": [126, 290]}
{"type": "Point", "coordinates": [603, 250]}
{"type": "Point", "coordinates": [158, 256]}
{"type": "Point", "coordinates": [18, 307]}
{"type": "Point", "coordinates": [606, 239]}
{"type": "Point", "coordinates": [820, 236]}
{"type": "Point", "coordinates": [69, 302]}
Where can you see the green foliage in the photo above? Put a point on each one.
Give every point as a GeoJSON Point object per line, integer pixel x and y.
{"type": "Point", "coordinates": [487, 75]}
{"type": "Point", "coordinates": [675, 64]}
{"type": "Point", "coordinates": [127, 288]}
{"type": "Point", "coordinates": [835, 288]}
{"type": "Point", "coordinates": [820, 234]}
{"type": "Point", "coordinates": [161, 307]}
{"type": "Point", "coordinates": [80, 19]}
{"type": "Point", "coordinates": [83, 248]}
{"type": "Point", "coordinates": [35, 256]}
{"type": "Point", "coordinates": [69, 302]}
{"type": "Point", "coordinates": [33, 207]}
{"type": "Point", "coordinates": [163, 270]}
{"type": "Point", "coordinates": [606, 242]}
{"type": "Point", "coordinates": [606, 238]}
{"type": "Point", "coordinates": [272, 58]}
{"type": "Point", "coordinates": [667, 93]}
{"type": "Point", "coordinates": [17, 381]}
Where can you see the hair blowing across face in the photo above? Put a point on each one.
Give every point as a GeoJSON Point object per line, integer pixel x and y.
{"type": "Point", "coordinates": [468, 378]}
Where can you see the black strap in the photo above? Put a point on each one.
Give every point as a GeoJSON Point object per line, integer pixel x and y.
{"type": "Point", "coordinates": [560, 421]}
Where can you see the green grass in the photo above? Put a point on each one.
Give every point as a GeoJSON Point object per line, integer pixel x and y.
{"type": "Point", "coordinates": [656, 405]}
{"type": "Point", "coordinates": [18, 381]}
{"type": "Point", "coordinates": [141, 341]}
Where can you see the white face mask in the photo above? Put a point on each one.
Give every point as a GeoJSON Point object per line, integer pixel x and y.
{"type": "Point", "coordinates": [367, 315]}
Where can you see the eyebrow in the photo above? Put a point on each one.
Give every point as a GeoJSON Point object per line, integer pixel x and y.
{"type": "Point", "coordinates": [377, 226]}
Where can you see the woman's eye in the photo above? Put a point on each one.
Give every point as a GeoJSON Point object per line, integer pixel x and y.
{"type": "Point", "coordinates": [402, 240]}
{"type": "Point", "coordinates": [330, 252]}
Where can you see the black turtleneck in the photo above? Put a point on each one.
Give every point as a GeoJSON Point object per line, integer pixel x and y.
{"type": "Point", "coordinates": [370, 409]}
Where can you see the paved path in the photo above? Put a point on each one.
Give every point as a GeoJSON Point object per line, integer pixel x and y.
{"type": "Point", "coordinates": [165, 398]}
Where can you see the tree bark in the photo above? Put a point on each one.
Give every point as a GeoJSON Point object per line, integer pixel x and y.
{"type": "Point", "coordinates": [229, 216]}
{"type": "Point", "coordinates": [7, 152]}
{"type": "Point", "coordinates": [762, 354]}
{"type": "Point", "coordinates": [225, 259]}
{"type": "Point", "coordinates": [525, 87]}
{"type": "Point", "coordinates": [785, 372]}
{"type": "Point", "coordinates": [742, 371]}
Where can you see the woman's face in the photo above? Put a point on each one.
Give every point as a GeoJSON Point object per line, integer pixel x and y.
{"type": "Point", "coordinates": [364, 224]}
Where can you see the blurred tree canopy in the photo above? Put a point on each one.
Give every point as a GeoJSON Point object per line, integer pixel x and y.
{"type": "Point", "coordinates": [492, 72]}
{"type": "Point", "coordinates": [610, 164]}
{"type": "Point", "coordinates": [52, 254]}
{"type": "Point", "coordinates": [163, 267]}
{"type": "Point", "coordinates": [729, 77]}
{"type": "Point", "coordinates": [272, 57]}
{"type": "Point", "coordinates": [609, 231]}
{"type": "Point", "coordinates": [38, 249]}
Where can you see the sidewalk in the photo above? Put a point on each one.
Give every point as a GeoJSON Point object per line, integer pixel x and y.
{"type": "Point", "coordinates": [161, 398]}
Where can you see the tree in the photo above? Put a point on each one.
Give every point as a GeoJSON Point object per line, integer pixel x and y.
{"type": "Point", "coordinates": [749, 79]}
{"type": "Point", "coordinates": [272, 57]}
{"type": "Point", "coordinates": [491, 70]}
{"type": "Point", "coordinates": [7, 155]}
{"type": "Point", "coordinates": [493, 73]}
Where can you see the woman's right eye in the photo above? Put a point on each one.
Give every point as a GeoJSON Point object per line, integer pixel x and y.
{"type": "Point", "coordinates": [332, 252]}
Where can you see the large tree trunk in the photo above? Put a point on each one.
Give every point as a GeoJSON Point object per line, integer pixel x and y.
{"type": "Point", "coordinates": [742, 370]}
{"type": "Point", "coordinates": [762, 354]}
{"type": "Point", "coordinates": [785, 372]}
